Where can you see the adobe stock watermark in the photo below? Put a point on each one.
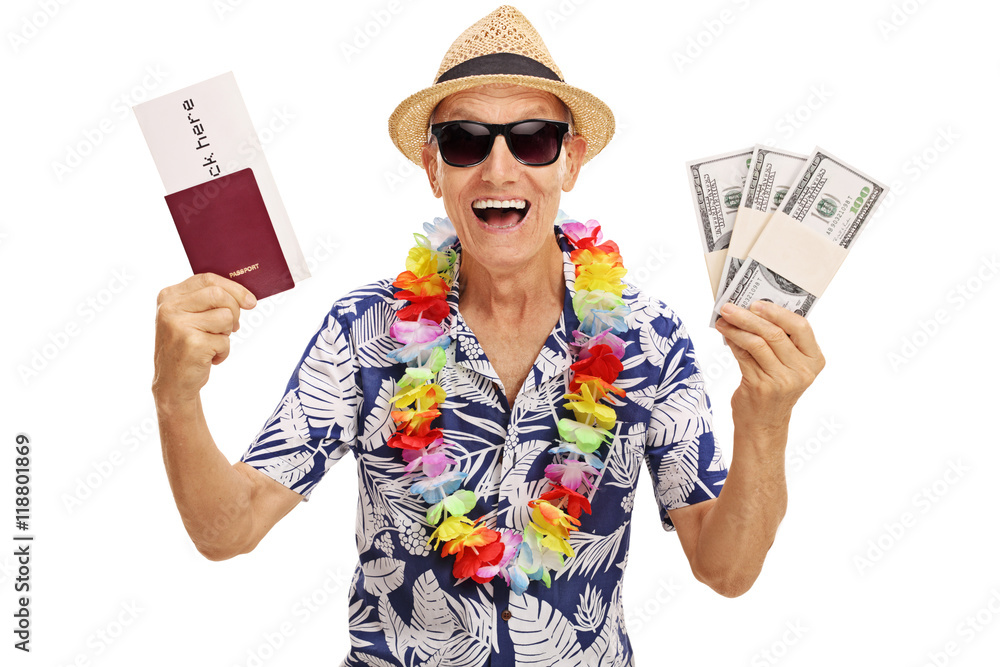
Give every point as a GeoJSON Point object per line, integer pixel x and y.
{"type": "Point", "coordinates": [375, 24]}
{"type": "Point", "coordinates": [966, 631]}
{"type": "Point", "coordinates": [657, 259]}
{"type": "Point", "coordinates": [639, 615]}
{"type": "Point", "coordinates": [558, 13]}
{"type": "Point", "coordinates": [223, 8]}
{"type": "Point", "coordinates": [719, 366]}
{"type": "Point", "coordinates": [915, 167]}
{"type": "Point", "coordinates": [921, 504]}
{"type": "Point", "coordinates": [707, 35]}
{"type": "Point", "coordinates": [957, 298]}
{"type": "Point", "coordinates": [247, 151]}
{"type": "Point", "coordinates": [104, 637]}
{"type": "Point", "coordinates": [31, 25]}
{"type": "Point", "coordinates": [807, 450]}
{"type": "Point", "coordinates": [798, 116]}
{"type": "Point", "coordinates": [8, 568]}
{"type": "Point", "coordinates": [899, 15]}
{"type": "Point", "coordinates": [774, 653]}
{"type": "Point", "coordinates": [76, 152]}
{"type": "Point", "coordinates": [100, 472]}
{"type": "Point", "coordinates": [87, 311]}
{"type": "Point", "coordinates": [279, 121]}
{"type": "Point", "coordinates": [404, 171]}
{"type": "Point", "coordinates": [301, 613]}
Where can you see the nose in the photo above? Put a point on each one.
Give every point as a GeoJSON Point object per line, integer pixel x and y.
{"type": "Point", "coordinates": [500, 167]}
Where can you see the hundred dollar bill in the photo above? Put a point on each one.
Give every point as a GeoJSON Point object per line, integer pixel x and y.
{"type": "Point", "coordinates": [716, 188]}
{"type": "Point", "coordinates": [772, 173]}
{"type": "Point", "coordinates": [829, 197]}
{"type": "Point", "coordinates": [755, 282]}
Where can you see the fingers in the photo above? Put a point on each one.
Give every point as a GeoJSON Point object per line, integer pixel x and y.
{"type": "Point", "coordinates": [748, 366]}
{"type": "Point", "coordinates": [221, 350]}
{"type": "Point", "coordinates": [794, 325]}
{"type": "Point", "coordinates": [240, 294]}
{"type": "Point", "coordinates": [194, 320]}
{"type": "Point", "coordinates": [765, 341]}
{"type": "Point", "coordinates": [211, 305]}
{"type": "Point", "coordinates": [216, 321]}
{"type": "Point", "coordinates": [205, 292]}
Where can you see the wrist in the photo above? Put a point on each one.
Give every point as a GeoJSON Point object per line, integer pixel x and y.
{"type": "Point", "coordinates": [170, 403]}
{"type": "Point", "coordinates": [766, 437]}
{"type": "Point", "coordinates": [766, 422]}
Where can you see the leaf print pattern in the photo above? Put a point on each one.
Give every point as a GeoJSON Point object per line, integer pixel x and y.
{"type": "Point", "coordinates": [540, 633]}
{"type": "Point", "coordinates": [406, 608]}
{"type": "Point", "coordinates": [589, 611]}
{"type": "Point", "coordinates": [382, 576]}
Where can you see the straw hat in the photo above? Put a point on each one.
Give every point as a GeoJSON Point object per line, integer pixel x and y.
{"type": "Point", "coordinates": [502, 47]}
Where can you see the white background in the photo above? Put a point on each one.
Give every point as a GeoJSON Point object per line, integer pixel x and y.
{"type": "Point", "coordinates": [873, 434]}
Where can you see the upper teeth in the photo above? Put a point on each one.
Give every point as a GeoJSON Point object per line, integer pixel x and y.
{"type": "Point", "coordinates": [496, 203]}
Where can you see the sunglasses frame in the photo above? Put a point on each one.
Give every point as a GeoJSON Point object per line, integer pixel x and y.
{"type": "Point", "coordinates": [502, 129]}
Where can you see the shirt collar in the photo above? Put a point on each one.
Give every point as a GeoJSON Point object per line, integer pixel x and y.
{"type": "Point", "coordinates": [553, 359]}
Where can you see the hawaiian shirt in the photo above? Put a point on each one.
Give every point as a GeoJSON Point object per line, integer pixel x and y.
{"type": "Point", "coordinates": [405, 605]}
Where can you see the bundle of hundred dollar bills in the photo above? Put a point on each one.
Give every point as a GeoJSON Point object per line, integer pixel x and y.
{"type": "Point", "coordinates": [776, 225]}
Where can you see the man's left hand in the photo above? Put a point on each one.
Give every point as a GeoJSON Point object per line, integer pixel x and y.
{"type": "Point", "coordinates": [778, 356]}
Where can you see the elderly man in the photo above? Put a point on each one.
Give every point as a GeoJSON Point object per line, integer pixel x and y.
{"type": "Point", "coordinates": [499, 396]}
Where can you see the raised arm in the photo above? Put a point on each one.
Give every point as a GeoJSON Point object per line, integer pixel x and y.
{"type": "Point", "coordinates": [226, 509]}
{"type": "Point", "coordinates": [727, 538]}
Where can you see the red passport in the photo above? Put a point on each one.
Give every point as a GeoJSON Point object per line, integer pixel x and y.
{"type": "Point", "coordinates": [225, 229]}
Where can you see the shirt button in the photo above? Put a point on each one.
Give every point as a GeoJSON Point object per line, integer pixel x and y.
{"type": "Point", "coordinates": [505, 614]}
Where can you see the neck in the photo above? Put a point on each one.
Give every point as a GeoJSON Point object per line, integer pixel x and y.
{"type": "Point", "coordinates": [513, 293]}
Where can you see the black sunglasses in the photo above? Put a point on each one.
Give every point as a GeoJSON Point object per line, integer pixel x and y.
{"type": "Point", "coordinates": [466, 143]}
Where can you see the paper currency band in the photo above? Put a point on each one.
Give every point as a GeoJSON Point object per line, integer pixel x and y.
{"type": "Point", "coordinates": [498, 63]}
{"type": "Point", "coordinates": [716, 263]}
{"type": "Point", "coordinates": [798, 253]}
{"type": "Point", "coordinates": [749, 224]}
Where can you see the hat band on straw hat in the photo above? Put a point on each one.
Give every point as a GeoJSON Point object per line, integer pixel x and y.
{"type": "Point", "coordinates": [501, 48]}
{"type": "Point", "coordinates": [499, 63]}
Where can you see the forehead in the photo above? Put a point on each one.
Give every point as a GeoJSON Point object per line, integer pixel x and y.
{"type": "Point", "coordinates": [499, 102]}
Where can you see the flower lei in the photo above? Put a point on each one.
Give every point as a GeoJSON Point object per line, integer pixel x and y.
{"type": "Point", "coordinates": [480, 552]}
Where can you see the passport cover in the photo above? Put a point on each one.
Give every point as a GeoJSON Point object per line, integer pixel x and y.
{"type": "Point", "coordinates": [225, 229]}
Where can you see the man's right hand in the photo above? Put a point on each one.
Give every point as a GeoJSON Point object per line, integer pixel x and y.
{"type": "Point", "coordinates": [193, 322]}
{"type": "Point", "coordinates": [226, 509]}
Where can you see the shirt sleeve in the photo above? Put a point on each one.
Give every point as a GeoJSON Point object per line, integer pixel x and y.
{"type": "Point", "coordinates": [682, 455]}
{"type": "Point", "coordinates": [315, 423]}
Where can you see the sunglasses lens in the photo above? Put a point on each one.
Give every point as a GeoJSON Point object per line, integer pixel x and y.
{"type": "Point", "coordinates": [464, 143]}
{"type": "Point", "coordinates": [535, 141]}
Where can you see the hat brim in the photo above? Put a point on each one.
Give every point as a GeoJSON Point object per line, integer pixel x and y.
{"type": "Point", "coordinates": [592, 118]}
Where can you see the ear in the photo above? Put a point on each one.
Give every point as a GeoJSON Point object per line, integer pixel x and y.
{"type": "Point", "coordinates": [428, 156]}
{"type": "Point", "coordinates": [575, 148]}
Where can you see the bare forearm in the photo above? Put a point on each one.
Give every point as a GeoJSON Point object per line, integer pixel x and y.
{"type": "Point", "coordinates": [740, 527]}
{"type": "Point", "coordinates": [213, 498]}
{"type": "Point", "coordinates": [779, 358]}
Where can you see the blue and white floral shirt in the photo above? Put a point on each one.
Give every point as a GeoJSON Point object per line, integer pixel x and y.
{"type": "Point", "coordinates": [405, 606]}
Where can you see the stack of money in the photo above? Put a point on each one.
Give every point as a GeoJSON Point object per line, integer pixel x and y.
{"type": "Point", "coordinates": [779, 229]}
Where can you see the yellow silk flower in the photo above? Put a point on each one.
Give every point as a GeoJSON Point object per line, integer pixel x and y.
{"type": "Point", "coordinates": [424, 261]}
{"type": "Point", "coordinates": [554, 524]}
{"type": "Point", "coordinates": [587, 256]}
{"type": "Point", "coordinates": [601, 277]}
{"type": "Point", "coordinates": [451, 528]}
{"type": "Point", "coordinates": [585, 404]}
{"type": "Point", "coordinates": [425, 396]}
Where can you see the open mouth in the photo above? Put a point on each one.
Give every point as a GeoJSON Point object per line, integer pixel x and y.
{"type": "Point", "coordinates": [501, 213]}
